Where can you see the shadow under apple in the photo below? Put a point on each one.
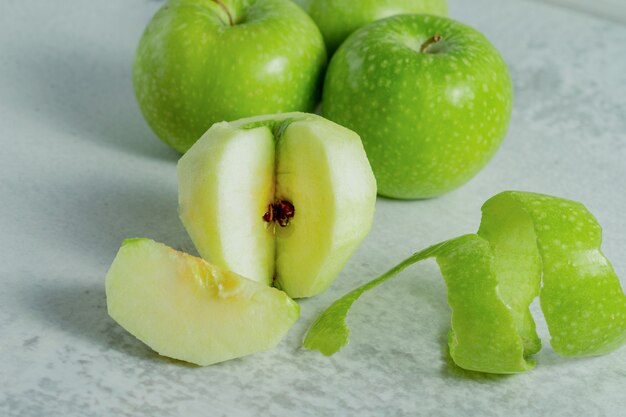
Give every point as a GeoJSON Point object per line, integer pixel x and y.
{"type": "Point", "coordinates": [80, 310]}
{"type": "Point", "coordinates": [86, 92]}
{"type": "Point", "coordinates": [91, 214]}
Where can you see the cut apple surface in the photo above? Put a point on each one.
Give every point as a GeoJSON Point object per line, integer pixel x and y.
{"type": "Point", "coordinates": [283, 199]}
{"type": "Point", "coordinates": [187, 309]}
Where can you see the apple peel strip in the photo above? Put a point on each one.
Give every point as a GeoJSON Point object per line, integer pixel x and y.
{"type": "Point", "coordinates": [528, 245]}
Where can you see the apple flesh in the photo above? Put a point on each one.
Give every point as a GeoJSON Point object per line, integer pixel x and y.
{"type": "Point", "coordinates": [337, 19]}
{"type": "Point", "coordinates": [430, 97]}
{"type": "Point", "coordinates": [186, 309]}
{"type": "Point", "coordinates": [205, 61]}
{"type": "Point", "coordinates": [283, 199]}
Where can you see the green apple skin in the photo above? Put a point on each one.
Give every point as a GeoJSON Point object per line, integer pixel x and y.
{"type": "Point", "coordinates": [193, 68]}
{"type": "Point", "coordinates": [337, 19]}
{"type": "Point", "coordinates": [429, 120]}
{"type": "Point", "coordinates": [528, 245]}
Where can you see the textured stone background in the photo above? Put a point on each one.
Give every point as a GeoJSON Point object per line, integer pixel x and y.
{"type": "Point", "coordinates": [609, 9]}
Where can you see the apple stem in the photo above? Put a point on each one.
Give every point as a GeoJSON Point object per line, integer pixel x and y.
{"type": "Point", "coordinates": [430, 41]}
{"type": "Point", "coordinates": [223, 6]}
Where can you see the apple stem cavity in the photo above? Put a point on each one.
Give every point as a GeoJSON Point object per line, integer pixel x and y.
{"type": "Point", "coordinates": [223, 6]}
{"type": "Point", "coordinates": [428, 46]}
{"type": "Point", "coordinates": [280, 212]}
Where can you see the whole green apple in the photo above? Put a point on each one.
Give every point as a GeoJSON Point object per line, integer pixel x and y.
{"type": "Point", "coordinates": [206, 61]}
{"type": "Point", "coordinates": [430, 97]}
{"type": "Point", "coordinates": [337, 19]}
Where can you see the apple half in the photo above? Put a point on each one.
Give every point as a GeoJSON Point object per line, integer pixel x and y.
{"type": "Point", "coordinates": [187, 309]}
{"type": "Point", "coordinates": [282, 199]}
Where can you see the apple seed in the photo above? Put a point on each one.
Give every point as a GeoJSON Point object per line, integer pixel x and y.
{"type": "Point", "coordinates": [280, 212]}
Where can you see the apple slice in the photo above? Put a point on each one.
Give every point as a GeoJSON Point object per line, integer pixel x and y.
{"type": "Point", "coordinates": [225, 185]}
{"type": "Point", "coordinates": [187, 309]}
{"type": "Point", "coordinates": [280, 198]}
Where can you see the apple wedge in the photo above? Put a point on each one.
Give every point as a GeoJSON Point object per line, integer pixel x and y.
{"type": "Point", "coordinates": [187, 309]}
{"type": "Point", "coordinates": [281, 199]}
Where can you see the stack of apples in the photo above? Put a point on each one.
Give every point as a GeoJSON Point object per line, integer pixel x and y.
{"type": "Point", "coordinates": [414, 105]}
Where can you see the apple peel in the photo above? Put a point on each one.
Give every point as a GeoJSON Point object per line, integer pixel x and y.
{"type": "Point", "coordinates": [528, 245]}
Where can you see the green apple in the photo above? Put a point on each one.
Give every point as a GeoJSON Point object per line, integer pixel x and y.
{"type": "Point", "coordinates": [205, 61]}
{"type": "Point", "coordinates": [184, 308]}
{"type": "Point", "coordinates": [430, 97]}
{"type": "Point", "coordinates": [283, 199]}
{"type": "Point", "coordinates": [337, 19]}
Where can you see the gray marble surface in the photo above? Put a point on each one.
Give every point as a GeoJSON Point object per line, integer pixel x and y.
{"type": "Point", "coordinates": [608, 9]}
{"type": "Point", "coordinates": [80, 171]}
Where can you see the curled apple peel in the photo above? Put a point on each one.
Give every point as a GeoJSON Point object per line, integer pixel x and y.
{"type": "Point", "coordinates": [527, 245]}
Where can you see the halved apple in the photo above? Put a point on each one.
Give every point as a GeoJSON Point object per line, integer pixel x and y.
{"type": "Point", "coordinates": [283, 199]}
{"type": "Point", "coordinates": [187, 309]}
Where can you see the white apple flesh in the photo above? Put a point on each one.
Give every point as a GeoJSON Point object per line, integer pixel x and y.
{"type": "Point", "coordinates": [225, 185]}
{"type": "Point", "coordinates": [281, 199]}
